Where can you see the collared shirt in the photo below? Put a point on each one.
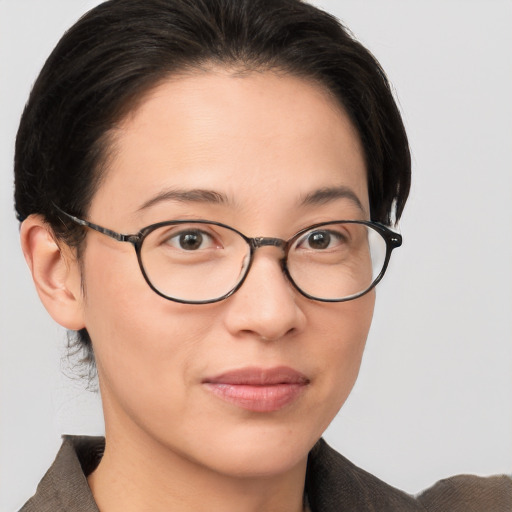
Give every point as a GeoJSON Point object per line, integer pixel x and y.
{"type": "Point", "coordinates": [333, 484]}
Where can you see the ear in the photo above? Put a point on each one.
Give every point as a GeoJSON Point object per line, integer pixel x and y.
{"type": "Point", "coordinates": [55, 271]}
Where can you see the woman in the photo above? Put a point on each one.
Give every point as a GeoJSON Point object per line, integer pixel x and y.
{"type": "Point", "coordinates": [255, 153]}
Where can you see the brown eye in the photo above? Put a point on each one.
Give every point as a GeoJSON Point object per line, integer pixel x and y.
{"type": "Point", "coordinates": [319, 240]}
{"type": "Point", "coordinates": [190, 240]}
{"type": "Point", "coordinates": [322, 239]}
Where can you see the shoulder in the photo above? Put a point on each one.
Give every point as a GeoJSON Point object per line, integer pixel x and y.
{"type": "Point", "coordinates": [334, 483]}
{"type": "Point", "coordinates": [64, 486]}
{"type": "Point", "coordinates": [467, 493]}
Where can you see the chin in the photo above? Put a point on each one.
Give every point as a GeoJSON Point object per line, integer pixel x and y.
{"type": "Point", "coordinates": [261, 461]}
{"type": "Point", "coordinates": [258, 452]}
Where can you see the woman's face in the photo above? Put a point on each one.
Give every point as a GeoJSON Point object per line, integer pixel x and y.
{"type": "Point", "coordinates": [247, 385]}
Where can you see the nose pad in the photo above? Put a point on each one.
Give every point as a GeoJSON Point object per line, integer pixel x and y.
{"type": "Point", "coordinates": [245, 263]}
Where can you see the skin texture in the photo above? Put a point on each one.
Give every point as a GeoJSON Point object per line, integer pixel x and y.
{"type": "Point", "coordinates": [265, 141]}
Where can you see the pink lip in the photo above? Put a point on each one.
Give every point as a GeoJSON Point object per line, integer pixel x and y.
{"type": "Point", "coordinates": [258, 389]}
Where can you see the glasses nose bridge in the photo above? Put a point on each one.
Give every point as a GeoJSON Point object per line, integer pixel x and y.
{"type": "Point", "coordinates": [262, 241]}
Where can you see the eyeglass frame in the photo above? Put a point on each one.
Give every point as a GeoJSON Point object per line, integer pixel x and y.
{"type": "Point", "coordinates": [391, 238]}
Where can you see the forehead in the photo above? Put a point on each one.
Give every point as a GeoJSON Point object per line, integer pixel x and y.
{"type": "Point", "coordinates": [259, 135]}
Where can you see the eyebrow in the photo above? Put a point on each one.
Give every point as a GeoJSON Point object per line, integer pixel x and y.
{"type": "Point", "coordinates": [317, 197]}
{"type": "Point", "coordinates": [328, 194]}
{"type": "Point", "coordinates": [187, 196]}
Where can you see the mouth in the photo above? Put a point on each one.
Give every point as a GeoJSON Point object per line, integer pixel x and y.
{"type": "Point", "coordinates": [258, 389]}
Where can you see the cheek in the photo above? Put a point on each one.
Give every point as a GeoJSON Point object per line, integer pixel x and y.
{"type": "Point", "coordinates": [341, 336]}
{"type": "Point", "coordinates": [140, 340]}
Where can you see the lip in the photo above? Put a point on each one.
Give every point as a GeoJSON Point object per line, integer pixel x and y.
{"type": "Point", "coordinates": [258, 389]}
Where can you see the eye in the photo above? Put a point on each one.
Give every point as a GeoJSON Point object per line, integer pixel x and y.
{"type": "Point", "coordinates": [321, 239]}
{"type": "Point", "coordinates": [191, 240]}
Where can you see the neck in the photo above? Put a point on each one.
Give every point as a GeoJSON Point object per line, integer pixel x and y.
{"type": "Point", "coordinates": [138, 473]}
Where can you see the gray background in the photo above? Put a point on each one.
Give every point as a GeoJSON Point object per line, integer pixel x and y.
{"type": "Point", "coordinates": [434, 396]}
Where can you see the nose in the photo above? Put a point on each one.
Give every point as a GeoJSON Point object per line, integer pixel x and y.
{"type": "Point", "coordinates": [266, 306]}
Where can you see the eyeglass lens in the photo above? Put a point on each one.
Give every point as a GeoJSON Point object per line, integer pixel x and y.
{"type": "Point", "coordinates": [197, 262]}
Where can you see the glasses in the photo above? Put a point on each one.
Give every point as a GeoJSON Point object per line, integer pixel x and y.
{"type": "Point", "coordinates": [202, 261]}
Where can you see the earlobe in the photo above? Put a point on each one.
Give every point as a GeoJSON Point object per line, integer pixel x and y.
{"type": "Point", "coordinates": [55, 272]}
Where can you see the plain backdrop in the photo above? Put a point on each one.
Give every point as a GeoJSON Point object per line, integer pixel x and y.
{"type": "Point", "coordinates": [434, 396]}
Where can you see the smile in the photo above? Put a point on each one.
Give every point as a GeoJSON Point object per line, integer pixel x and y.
{"type": "Point", "coordinates": [258, 390]}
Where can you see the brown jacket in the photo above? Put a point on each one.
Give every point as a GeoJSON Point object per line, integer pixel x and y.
{"type": "Point", "coordinates": [333, 484]}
